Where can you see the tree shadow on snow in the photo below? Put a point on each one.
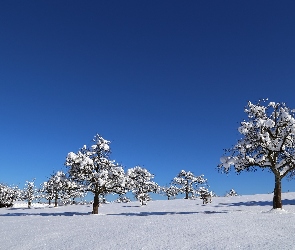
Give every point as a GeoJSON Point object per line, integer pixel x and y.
{"type": "Point", "coordinates": [168, 213]}
{"type": "Point", "coordinates": [132, 206]}
{"type": "Point", "coordinates": [255, 203]}
{"type": "Point", "coordinates": [46, 214]}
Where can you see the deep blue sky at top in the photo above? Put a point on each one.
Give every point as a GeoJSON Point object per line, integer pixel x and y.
{"type": "Point", "coordinates": [165, 81]}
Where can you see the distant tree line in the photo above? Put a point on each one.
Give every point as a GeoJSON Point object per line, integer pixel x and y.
{"type": "Point", "coordinates": [91, 170]}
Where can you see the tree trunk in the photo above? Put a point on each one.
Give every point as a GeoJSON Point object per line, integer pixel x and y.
{"type": "Point", "coordinates": [95, 203]}
{"type": "Point", "coordinates": [277, 194]}
{"type": "Point", "coordinates": [186, 190]}
{"type": "Point", "coordinates": [49, 202]}
{"type": "Point", "coordinates": [55, 200]}
{"type": "Point", "coordinates": [29, 203]}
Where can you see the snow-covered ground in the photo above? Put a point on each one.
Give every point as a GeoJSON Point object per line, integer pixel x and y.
{"type": "Point", "coordinates": [242, 222]}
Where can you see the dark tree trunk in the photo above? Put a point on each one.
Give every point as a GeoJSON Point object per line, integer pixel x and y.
{"type": "Point", "coordinates": [186, 195]}
{"type": "Point", "coordinates": [49, 202]}
{"type": "Point", "coordinates": [277, 194]}
{"type": "Point", "coordinates": [29, 204]}
{"type": "Point", "coordinates": [186, 190]}
{"type": "Point", "coordinates": [95, 203]}
{"type": "Point", "coordinates": [55, 200]}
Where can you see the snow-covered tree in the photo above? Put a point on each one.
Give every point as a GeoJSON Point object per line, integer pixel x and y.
{"type": "Point", "coordinates": [231, 192]}
{"type": "Point", "coordinates": [205, 194]}
{"type": "Point", "coordinates": [53, 188]}
{"type": "Point", "coordinates": [59, 187]}
{"type": "Point", "coordinates": [188, 182]}
{"type": "Point", "coordinates": [139, 180]}
{"type": "Point", "coordinates": [46, 192]}
{"type": "Point", "coordinates": [171, 191]}
{"type": "Point", "coordinates": [73, 190]}
{"type": "Point", "coordinates": [30, 192]}
{"type": "Point", "coordinates": [268, 142]}
{"type": "Point", "coordinates": [122, 199]}
{"type": "Point", "coordinates": [8, 195]}
{"type": "Point", "coordinates": [92, 168]}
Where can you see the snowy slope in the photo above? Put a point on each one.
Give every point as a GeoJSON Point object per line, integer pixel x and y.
{"type": "Point", "coordinates": [243, 222]}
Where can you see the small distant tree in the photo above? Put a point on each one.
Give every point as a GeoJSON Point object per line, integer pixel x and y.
{"type": "Point", "coordinates": [205, 194]}
{"type": "Point", "coordinates": [188, 182]}
{"type": "Point", "coordinates": [171, 191]}
{"type": "Point", "coordinates": [53, 188]}
{"type": "Point", "coordinates": [45, 192]}
{"type": "Point", "coordinates": [231, 192]}
{"type": "Point", "coordinates": [59, 187]}
{"type": "Point", "coordinates": [30, 192]}
{"type": "Point", "coordinates": [268, 142]}
{"type": "Point", "coordinates": [139, 180]}
{"type": "Point", "coordinates": [92, 168]}
{"type": "Point", "coordinates": [122, 199]}
{"type": "Point", "coordinates": [8, 195]}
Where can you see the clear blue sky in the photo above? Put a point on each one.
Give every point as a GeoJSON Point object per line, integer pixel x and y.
{"type": "Point", "coordinates": [165, 81]}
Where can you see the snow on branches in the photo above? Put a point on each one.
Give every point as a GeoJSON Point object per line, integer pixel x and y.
{"type": "Point", "coordinates": [8, 195]}
{"type": "Point", "coordinates": [92, 168]}
{"type": "Point", "coordinates": [170, 191]}
{"type": "Point", "coordinates": [188, 182]}
{"type": "Point", "coordinates": [232, 192]}
{"type": "Point", "coordinates": [30, 192]}
{"type": "Point", "coordinates": [205, 194]}
{"type": "Point", "coordinates": [139, 180]}
{"type": "Point", "coordinates": [268, 141]}
{"type": "Point", "coordinates": [59, 187]}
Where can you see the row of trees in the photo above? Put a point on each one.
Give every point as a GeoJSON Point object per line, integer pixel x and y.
{"type": "Point", "coordinates": [138, 180]}
{"type": "Point", "coordinates": [57, 188]}
{"type": "Point", "coordinates": [268, 142]}
{"type": "Point", "coordinates": [90, 170]}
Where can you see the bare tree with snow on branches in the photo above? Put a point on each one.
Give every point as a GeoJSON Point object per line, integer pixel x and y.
{"type": "Point", "coordinates": [268, 142]}
{"type": "Point", "coordinates": [92, 168]}
{"type": "Point", "coordinates": [188, 182]}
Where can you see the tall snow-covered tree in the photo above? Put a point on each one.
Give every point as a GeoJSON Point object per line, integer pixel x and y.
{"type": "Point", "coordinates": [268, 142]}
{"type": "Point", "coordinates": [139, 180]}
{"type": "Point", "coordinates": [188, 182]}
{"type": "Point", "coordinates": [92, 168]}
{"type": "Point", "coordinates": [30, 192]}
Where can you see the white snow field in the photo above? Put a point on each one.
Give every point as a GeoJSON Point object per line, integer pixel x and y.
{"type": "Point", "coordinates": [242, 222]}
